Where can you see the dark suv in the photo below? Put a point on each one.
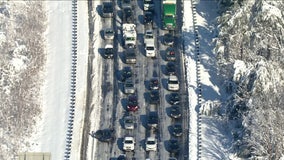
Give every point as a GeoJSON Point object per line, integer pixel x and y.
{"type": "Point", "coordinates": [107, 9]}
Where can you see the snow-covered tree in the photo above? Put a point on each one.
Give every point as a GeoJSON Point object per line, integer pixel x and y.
{"type": "Point", "coordinates": [250, 53]}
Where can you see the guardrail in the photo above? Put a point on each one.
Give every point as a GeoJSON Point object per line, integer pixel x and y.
{"type": "Point", "coordinates": [73, 82]}
{"type": "Point", "coordinates": [199, 88]}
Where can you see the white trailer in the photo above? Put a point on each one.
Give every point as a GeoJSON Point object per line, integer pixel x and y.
{"type": "Point", "coordinates": [129, 35]}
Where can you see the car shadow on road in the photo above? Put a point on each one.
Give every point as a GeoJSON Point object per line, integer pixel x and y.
{"type": "Point", "coordinates": [164, 82]}
{"type": "Point", "coordinates": [124, 103]}
{"type": "Point", "coordinates": [143, 120]}
{"type": "Point", "coordinates": [120, 143]}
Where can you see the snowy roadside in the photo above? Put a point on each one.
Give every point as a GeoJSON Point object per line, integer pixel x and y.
{"type": "Point", "coordinates": [190, 64]}
{"type": "Point", "coordinates": [55, 92]}
{"type": "Point", "coordinates": [81, 79]}
{"type": "Point", "coordinates": [214, 137]}
{"type": "Point", "coordinates": [96, 83]}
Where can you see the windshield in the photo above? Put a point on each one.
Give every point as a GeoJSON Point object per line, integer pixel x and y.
{"type": "Point", "coordinates": [173, 82]}
{"type": "Point", "coordinates": [151, 142]}
{"type": "Point", "coordinates": [150, 48]}
{"type": "Point", "coordinates": [128, 142]}
{"type": "Point", "coordinates": [109, 32]}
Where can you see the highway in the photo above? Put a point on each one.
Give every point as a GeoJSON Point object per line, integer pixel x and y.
{"type": "Point", "coordinates": [114, 101]}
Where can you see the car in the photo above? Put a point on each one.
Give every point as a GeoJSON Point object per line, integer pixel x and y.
{"type": "Point", "coordinates": [126, 3]}
{"type": "Point", "coordinates": [126, 73]}
{"type": "Point", "coordinates": [129, 86]}
{"type": "Point", "coordinates": [107, 9]}
{"type": "Point", "coordinates": [148, 17]}
{"type": "Point", "coordinates": [170, 54]}
{"type": "Point", "coordinates": [109, 33]}
{"type": "Point", "coordinates": [128, 15]}
{"type": "Point", "coordinates": [173, 146]}
{"type": "Point", "coordinates": [171, 68]}
{"type": "Point", "coordinates": [151, 144]}
{"type": "Point", "coordinates": [174, 98]}
{"type": "Point", "coordinates": [173, 83]}
{"type": "Point", "coordinates": [129, 122]}
{"type": "Point", "coordinates": [168, 39]}
{"type": "Point", "coordinates": [109, 51]}
{"type": "Point", "coordinates": [130, 56]}
{"type": "Point", "coordinates": [175, 111]}
{"type": "Point", "coordinates": [105, 135]}
{"type": "Point", "coordinates": [148, 5]}
{"type": "Point", "coordinates": [132, 104]}
{"type": "Point", "coordinates": [154, 84]}
{"type": "Point", "coordinates": [153, 119]}
{"type": "Point", "coordinates": [177, 130]}
{"type": "Point", "coordinates": [154, 97]}
{"type": "Point", "coordinates": [128, 143]}
{"type": "Point", "coordinates": [121, 157]}
{"type": "Point", "coordinates": [149, 34]}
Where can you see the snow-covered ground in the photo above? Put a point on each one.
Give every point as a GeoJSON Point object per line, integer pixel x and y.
{"type": "Point", "coordinates": [214, 138]}
{"type": "Point", "coordinates": [52, 127]}
{"type": "Point", "coordinates": [189, 42]}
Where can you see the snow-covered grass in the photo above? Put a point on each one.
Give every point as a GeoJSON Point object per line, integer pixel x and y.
{"type": "Point", "coordinates": [21, 61]}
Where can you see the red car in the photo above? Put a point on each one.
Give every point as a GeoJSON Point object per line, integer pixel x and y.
{"type": "Point", "coordinates": [132, 104]}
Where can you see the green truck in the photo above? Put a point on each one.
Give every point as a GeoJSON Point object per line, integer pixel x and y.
{"type": "Point", "coordinates": [169, 14]}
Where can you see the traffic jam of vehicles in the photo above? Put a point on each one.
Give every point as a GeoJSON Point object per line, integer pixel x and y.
{"type": "Point", "coordinates": [155, 86]}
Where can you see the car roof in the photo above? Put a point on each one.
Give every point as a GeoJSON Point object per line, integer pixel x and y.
{"type": "Point", "coordinates": [128, 138]}
{"type": "Point", "coordinates": [173, 77]}
{"type": "Point", "coordinates": [151, 138]}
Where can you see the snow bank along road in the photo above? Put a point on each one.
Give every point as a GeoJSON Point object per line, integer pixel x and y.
{"type": "Point", "coordinates": [112, 105]}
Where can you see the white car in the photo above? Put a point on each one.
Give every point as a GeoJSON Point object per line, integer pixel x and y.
{"type": "Point", "coordinates": [109, 33]}
{"type": "Point", "coordinates": [128, 144]}
{"type": "Point", "coordinates": [173, 83]}
{"type": "Point", "coordinates": [151, 144]}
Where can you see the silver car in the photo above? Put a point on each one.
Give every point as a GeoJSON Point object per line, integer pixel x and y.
{"type": "Point", "coordinates": [129, 86]}
{"type": "Point", "coordinates": [109, 33]}
{"type": "Point", "coordinates": [129, 122]}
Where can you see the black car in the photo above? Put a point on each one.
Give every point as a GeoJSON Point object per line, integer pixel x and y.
{"type": "Point", "coordinates": [105, 135]}
{"type": "Point", "coordinates": [170, 54]}
{"type": "Point", "coordinates": [148, 17]}
{"type": "Point", "coordinates": [107, 9]}
{"type": "Point", "coordinates": [173, 146]}
{"type": "Point", "coordinates": [154, 84]}
{"type": "Point", "coordinates": [177, 130]}
{"type": "Point", "coordinates": [126, 73]}
{"type": "Point", "coordinates": [174, 98]}
{"type": "Point", "coordinates": [168, 39]}
{"type": "Point", "coordinates": [128, 15]}
{"type": "Point", "coordinates": [171, 68]}
{"type": "Point", "coordinates": [153, 119]}
{"type": "Point", "coordinates": [154, 97]}
{"type": "Point", "coordinates": [175, 112]}
{"type": "Point", "coordinates": [109, 52]}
